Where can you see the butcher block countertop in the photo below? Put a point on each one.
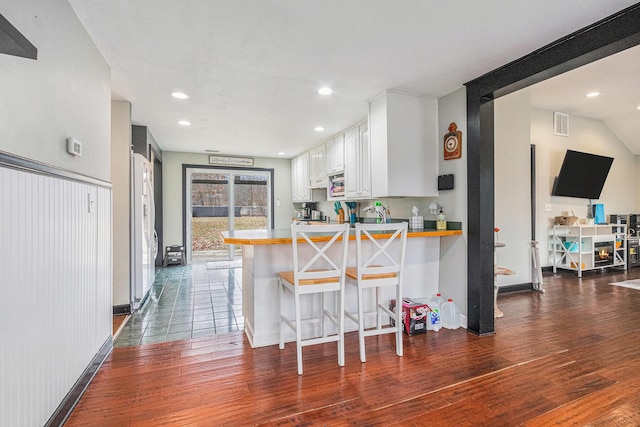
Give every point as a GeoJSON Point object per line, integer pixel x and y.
{"type": "Point", "coordinates": [283, 236]}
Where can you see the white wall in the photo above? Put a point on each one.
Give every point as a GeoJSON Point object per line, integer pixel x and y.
{"type": "Point", "coordinates": [172, 190]}
{"type": "Point", "coordinates": [517, 125]}
{"type": "Point", "coordinates": [637, 186]}
{"type": "Point", "coordinates": [120, 172]}
{"type": "Point", "coordinates": [65, 92]}
{"type": "Point", "coordinates": [591, 136]}
{"type": "Point", "coordinates": [55, 294]}
{"type": "Point", "coordinates": [513, 185]}
{"type": "Point", "coordinates": [453, 250]}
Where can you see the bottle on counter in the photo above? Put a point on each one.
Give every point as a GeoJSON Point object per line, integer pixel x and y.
{"type": "Point", "coordinates": [441, 222]}
{"type": "Point", "coordinates": [379, 211]}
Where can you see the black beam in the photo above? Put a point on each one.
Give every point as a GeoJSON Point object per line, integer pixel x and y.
{"type": "Point", "coordinates": [606, 37]}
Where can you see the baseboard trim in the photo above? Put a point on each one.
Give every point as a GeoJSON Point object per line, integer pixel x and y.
{"type": "Point", "coordinates": [122, 309]}
{"type": "Point", "coordinates": [72, 398]}
{"type": "Point", "coordinates": [519, 287]}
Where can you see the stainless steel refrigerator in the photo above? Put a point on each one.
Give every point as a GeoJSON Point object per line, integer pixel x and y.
{"type": "Point", "coordinates": [144, 240]}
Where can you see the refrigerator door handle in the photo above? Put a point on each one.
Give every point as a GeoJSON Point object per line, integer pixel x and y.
{"type": "Point", "coordinates": [155, 244]}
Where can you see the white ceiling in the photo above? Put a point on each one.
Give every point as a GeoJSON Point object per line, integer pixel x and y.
{"type": "Point", "coordinates": [616, 78]}
{"type": "Point", "coordinates": [253, 67]}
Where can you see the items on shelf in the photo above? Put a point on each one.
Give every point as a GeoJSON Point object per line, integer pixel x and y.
{"type": "Point", "coordinates": [588, 247]}
{"type": "Point", "coordinates": [441, 222]}
{"type": "Point", "coordinates": [416, 222]}
{"type": "Point", "coordinates": [336, 185]}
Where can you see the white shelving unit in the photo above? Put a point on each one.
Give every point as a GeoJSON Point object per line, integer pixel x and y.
{"type": "Point", "coordinates": [588, 247]}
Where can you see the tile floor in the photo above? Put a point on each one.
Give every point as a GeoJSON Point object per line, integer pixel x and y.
{"type": "Point", "coordinates": [196, 300]}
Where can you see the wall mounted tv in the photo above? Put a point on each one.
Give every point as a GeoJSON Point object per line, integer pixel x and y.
{"type": "Point", "coordinates": [582, 175]}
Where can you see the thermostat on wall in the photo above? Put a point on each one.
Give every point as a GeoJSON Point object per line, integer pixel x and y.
{"type": "Point", "coordinates": [74, 146]}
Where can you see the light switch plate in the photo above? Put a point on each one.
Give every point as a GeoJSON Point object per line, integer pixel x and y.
{"type": "Point", "coordinates": [91, 202]}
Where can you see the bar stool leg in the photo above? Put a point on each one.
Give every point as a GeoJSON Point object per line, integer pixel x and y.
{"type": "Point", "coordinates": [363, 357]}
{"type": "Point", "coordinates": [398, 312]}
{"type": "Point", "coordinates": [340, 315]}
{"type": "Point", "coordinates": [298, 333]}
{"type": "Point", "coordinates": [282, 311]}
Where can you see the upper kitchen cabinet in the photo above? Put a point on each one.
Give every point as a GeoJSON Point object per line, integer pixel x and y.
{"type": "Point", "coordinates": [334, 153]}
{"type": "Point", "coordinates": [317, 167]}
{"type": "Point", "coordinates": [404, 145]}
{"type": "Point", "coordinates": [300, 190]}
{"type": "Point", "coordinates": [357, 170]}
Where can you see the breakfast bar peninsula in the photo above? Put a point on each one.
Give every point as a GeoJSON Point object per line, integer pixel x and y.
{"type": "Point", "coordinates": [267, 252]}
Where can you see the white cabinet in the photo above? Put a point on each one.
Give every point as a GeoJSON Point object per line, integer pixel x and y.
{"type": "Point", "coordinates": [588, 247]}
{"type": "Point", "coordinates": [403, 131]}
{"type": "Point", "coordinates": [357, 169]}
{"type": "Point", "coordinates": [300, 191]}
{"type": "Point", "coordinates": [317, 167]}
{"type": "Point", "coordinates": [334, 152]}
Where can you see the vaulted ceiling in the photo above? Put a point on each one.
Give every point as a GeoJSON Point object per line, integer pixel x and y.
{"type": "Point", "coordinates": [252, 68]}
{"type": "Point", "coordinates": [616, 79]}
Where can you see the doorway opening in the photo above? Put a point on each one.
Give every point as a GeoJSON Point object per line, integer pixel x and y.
{"type": "Point", "coordinates": [221, 199]}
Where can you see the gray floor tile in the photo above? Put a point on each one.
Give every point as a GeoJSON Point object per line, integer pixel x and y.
{"type": "Point", "coordinates": [224, 321]}
{"type": "Point", "coordinates": [152, 339]}
{"type": "Point", "coordinates": [226, 329]}
{"type": "Point", "coordinates": [205, 324]}
{"type": "Point", "coordinates": [152, 332]}
{"type": "Point", "coordinates": [181, 320]}
{"type": "Point", "coordinates": [183, 303]}
{"type": "Point", "coordinates": [176, 336]}
{"type": "Point", "coordinates": [201, 317]}
{"type": "Point", "coordinates": [203, 333]}
{"type": "Point", "coordinates": [180, 327]}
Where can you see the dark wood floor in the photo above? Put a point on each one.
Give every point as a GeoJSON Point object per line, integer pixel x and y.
{"type": "Point", "coordinates": [118, 320]}
{"type": "Point", "coordinates": [568, 357]}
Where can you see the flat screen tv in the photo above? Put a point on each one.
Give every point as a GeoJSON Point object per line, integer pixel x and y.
{"type": "Point", "coordinates": [582, 175]}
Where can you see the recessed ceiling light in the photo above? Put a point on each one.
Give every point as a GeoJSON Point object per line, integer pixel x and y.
{"type": "Point", "coordinates": [184, 122]}
{"type": "Point", "coordinates": [638, 107]}
{"type": "Point", "coordinates": [180, 95]}
{"type": "Point", "coordinates": [319, 128]}
{"type": "Point", "coordinates": [281, 153]}
{"type": "Point", "coordinates": [325, 91]}
{"type": "Point", "coordinates": [592, 94]}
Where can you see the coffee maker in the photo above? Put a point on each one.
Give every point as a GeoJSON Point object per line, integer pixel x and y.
{"type": "Point", "coordinates": [307, 207]}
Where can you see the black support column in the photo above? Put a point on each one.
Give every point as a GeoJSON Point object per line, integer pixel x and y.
{"type": "Point", "coordinates": [606, 37]}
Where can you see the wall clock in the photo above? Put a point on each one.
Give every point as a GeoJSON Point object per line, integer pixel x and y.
{"type": "Point", "coordinates": [453, 143]}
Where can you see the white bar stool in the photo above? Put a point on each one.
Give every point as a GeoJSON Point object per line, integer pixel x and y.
{"type": "Point", "coordinates": [388, 249]}
{"type": "Point", "coordinates": [318, 268]}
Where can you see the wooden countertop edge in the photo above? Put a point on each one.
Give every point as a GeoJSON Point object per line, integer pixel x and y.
{"type": "Point", "coordinates": [287, 240]}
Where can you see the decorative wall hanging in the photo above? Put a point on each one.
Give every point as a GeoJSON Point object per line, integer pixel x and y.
{"type": "Point", "coordinates": [453, 143]}
{"type": "Point", "coordinates": [230, 161]}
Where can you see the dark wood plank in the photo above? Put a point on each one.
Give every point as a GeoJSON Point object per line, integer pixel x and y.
{"type": "Point", "coordinates": [569, 356]}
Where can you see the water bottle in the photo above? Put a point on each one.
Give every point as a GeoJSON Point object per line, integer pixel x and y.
{"type": "Point", "coordinates": [439, 298]}
{"type": "Point", "coordinates": [434, 323]}
{"type": "Point", "coordinates": [450, 315]}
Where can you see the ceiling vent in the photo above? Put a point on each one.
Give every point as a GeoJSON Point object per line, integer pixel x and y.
{"type": "Point", "coordinates": [560, 124]}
